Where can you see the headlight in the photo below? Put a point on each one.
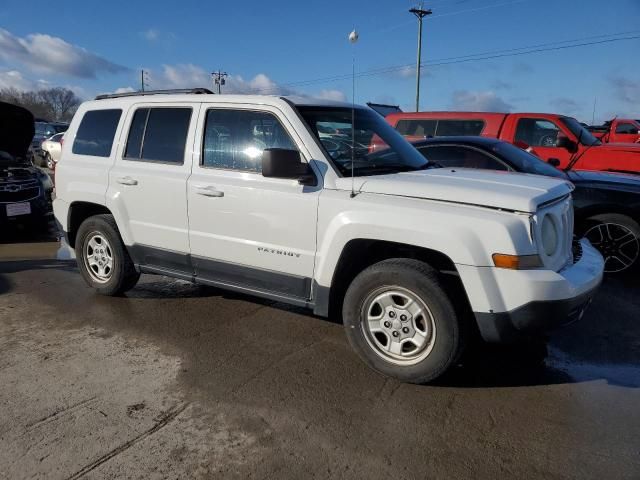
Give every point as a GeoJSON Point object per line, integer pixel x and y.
{"type": "Point", "coordinates": [549, 233]}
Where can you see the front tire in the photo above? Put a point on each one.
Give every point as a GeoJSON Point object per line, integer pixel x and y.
{"type": "Point", "coordinates": [401, 322]}
{"type": "Point", "coordinates": [102, 258]}
{"type": "Point", "coordinates": [617, 238]}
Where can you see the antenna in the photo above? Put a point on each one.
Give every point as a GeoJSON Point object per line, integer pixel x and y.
{"type": "Point", "coordinates": [353, 38]}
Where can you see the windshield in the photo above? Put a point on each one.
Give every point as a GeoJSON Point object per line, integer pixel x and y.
{"type": "Point", "coordinates": [581, 133]}
{"type": "Point", "coordinates": [378, 148]}
{"type": "Point", "coordinates": [524, 161]}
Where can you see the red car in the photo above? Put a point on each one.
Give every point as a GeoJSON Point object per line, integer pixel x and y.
{"type": "Point", "coordinates": [560, 140]}
{"type": "Point", "coordinates": [618, 130]}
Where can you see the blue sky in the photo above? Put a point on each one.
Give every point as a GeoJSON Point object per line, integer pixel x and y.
{"type": "Point", "coordinates": [266, 46]}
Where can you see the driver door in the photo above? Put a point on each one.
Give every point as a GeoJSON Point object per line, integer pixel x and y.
{"type": "Point", "coordinates": [541, 135]}
{"type": "Point", "coordinates": [246, 230]}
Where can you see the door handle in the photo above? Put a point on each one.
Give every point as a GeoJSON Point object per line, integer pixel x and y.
{"type": "Point", "coordinates": [209, 191]}
{"type": "Point", "coordinates": [127, 181]}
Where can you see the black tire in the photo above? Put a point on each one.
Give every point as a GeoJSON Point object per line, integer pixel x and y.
{"type": "Point", "coordinates": [422, 281]}
{"type": "Point", "coordinates": [123, 276]}
{"type": "Point", "coordinates": [48, 161]}
{"type": "Point", "coordinates": [623, 246]}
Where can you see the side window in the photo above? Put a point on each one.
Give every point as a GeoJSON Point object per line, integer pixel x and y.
{"type": "Point", "coordinates": [451, 128]}
{"type": "Point", "coordinates": [627, 128]}
{"type": "Point", "coordinates": [235, 139]}
{"type": "Point", "coordinates": [417, 128]}
{"type": "Point", "coordinates": [158, 135]}
{"type": "Point", "coordinates": [95, 133]}
{"type": "Point", "coordinates": [461, 157]}
{"type": "Point", "coordinates": [537, 132]}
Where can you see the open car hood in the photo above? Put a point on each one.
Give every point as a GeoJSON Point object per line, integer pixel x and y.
{"type": "Point", "coordinates": [16, 129]}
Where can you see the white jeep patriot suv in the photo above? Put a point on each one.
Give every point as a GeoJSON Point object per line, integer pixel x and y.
{"type": "Point", "coordinates": [287, 198]}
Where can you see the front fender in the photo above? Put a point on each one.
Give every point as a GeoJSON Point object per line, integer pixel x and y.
{"type": "Point", "coordinates": [468, 235]}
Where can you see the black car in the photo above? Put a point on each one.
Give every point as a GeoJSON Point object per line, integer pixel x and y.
{"type": "Point", "coordinates": [607, 205]}
{"type": "Point", "coordinates": [25, 190]}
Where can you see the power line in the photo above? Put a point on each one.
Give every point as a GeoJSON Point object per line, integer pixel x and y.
{"type": "Point", "coordinates": [551, 46]}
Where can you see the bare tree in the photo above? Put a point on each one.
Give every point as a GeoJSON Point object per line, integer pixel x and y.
{"type": "Point", "coordinates": [57, 104]}
{"type": "Point", "coordinates": [62, 102]}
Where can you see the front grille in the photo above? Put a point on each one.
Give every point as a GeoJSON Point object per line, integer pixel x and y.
{"type": "Point", "coordinates": [576, 248]}
{"type": "Point", "coordinates": [19, 191]}
{"type": "Point", "coordinates": [19, 196]}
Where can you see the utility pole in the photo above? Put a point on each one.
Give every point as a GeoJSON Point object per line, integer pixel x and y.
{"type": "Point", "coordinates": [420, 13]}
{"type": "Point", "coordinates": [144, 80]}
{"type": "Point", "coordinates": [219, 79]}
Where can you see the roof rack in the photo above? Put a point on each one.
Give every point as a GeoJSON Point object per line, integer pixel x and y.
{"type": "Point", "coordinates": [195, 91]}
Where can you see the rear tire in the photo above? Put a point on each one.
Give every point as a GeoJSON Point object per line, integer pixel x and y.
{"type": "Point", "coordinates": [401, 322]}
{"type": "Point", "coordinates": [617, 238]}
{"type": "Point", "coordinates": [102, 258]}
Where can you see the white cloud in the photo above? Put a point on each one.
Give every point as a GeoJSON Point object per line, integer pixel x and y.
{"type": "Point", "coordinates": [566, 105]}
{"type": "Point", "coordinates": [52, 55]}
{"type": "Point", "coordinates": [151, 35]}
{"type": "Point", "coordinates": [479, 102]}
{"type": "Point", "coordinates": [124, 90]}
{"type": "Point", "coordinates": [627, 89]}
{"type": "Point", "coordinates": [333, 95]}
{"type": "Point", "coordinates": [15, 79]}
{"type": "Point", "coordinates": [191, 76]}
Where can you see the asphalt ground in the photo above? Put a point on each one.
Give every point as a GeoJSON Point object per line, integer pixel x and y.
{"type": "Point", "coordinates": [175, 380]}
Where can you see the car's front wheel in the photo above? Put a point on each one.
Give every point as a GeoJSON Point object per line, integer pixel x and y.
{"type": "Point", "coordinates": [102, 258]}
{"type": "Point", "coordinates": [401, 322]}
{"type": "Point", "coordinates": [617, 237]}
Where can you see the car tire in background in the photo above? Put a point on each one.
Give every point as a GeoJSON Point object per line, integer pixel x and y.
{"type": "Point", "coordinates": [102, 258]}
{"type": "Point", "coordinates": [401, 322]}
{"type": "Point", "coordinates": [617, 238]}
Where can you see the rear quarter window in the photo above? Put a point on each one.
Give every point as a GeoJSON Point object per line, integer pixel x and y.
{"type": "Point", "coordinates": [454, 128]}
{"type": "Point", "coordinates": [96, 132]}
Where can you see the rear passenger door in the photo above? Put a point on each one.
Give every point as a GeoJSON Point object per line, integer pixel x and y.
{"type": "Point", "coordinates": [247, 230]}
{"type": "Point", "coordinates": [147, 185]}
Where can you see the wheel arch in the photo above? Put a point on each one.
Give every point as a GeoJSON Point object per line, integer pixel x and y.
{"type": "Point", "coordinates": [584, 214]}
{"type": "Point", "coordinates": [360, 253]}
{"type": "Point", "coordinates": [78, 212]}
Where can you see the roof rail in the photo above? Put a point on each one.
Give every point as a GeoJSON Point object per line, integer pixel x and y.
{"type": "Point", "coordinates": [196, 91]}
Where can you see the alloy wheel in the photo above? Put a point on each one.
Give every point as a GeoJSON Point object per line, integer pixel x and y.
{"type": "Point", "coordinates": [619, 246]}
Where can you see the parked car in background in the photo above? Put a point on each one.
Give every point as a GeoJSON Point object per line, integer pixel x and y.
{"type": "Point", "coordinates": [51, 149]}
{"type": "Point", "coordinates": [618, 130]}
{"type": "Point", "coordinates": [43, 131]}
{"type": "Point", "coordinates": [25, 190]}
{"type": "Point", "coordinates": [240, 192]}
{"type": "Point", "coordinates": [560, 140]}
{"type": "Point", "coordinates": [607, 205]}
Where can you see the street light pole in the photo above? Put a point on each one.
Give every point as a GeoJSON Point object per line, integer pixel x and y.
{"type": "Point", "coordinates": [420, 13]}
{"type": "Point", "coordinates": [219, 79]}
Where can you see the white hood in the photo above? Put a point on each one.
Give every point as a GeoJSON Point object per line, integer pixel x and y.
{"type": "Point", "coordinates": [511, 191]}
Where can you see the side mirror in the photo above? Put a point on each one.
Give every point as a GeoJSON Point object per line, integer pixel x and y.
{"type": "Point", "coordinates": [554, 162]}
{"type": "Point", "coordinates": [283, 163]}
{"type": "Point", "coordinates": [567, 144]}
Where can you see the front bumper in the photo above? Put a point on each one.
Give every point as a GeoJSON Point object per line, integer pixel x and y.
{"type": "Point", "coordinates": [521, 303]}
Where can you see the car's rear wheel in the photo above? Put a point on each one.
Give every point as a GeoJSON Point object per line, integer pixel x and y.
{"type": "Point", "coordinates": [102, 258]}
{"type": "Point", "coordinates": [617, 237]}
{"type": "Point", "coordinates": [401, 322]}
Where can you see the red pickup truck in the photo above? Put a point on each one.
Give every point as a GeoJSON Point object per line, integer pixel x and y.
{"type": "Point", "coordinates": [560, 140]}
{"type": "Point", "coordinates": [618, 130]}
